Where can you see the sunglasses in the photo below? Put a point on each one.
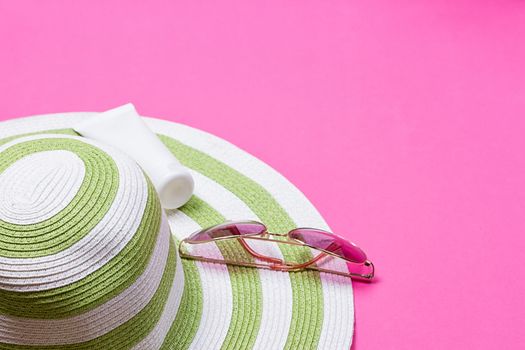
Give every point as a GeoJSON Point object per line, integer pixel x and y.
{"type": "Point", "coordinates": [314, 247]}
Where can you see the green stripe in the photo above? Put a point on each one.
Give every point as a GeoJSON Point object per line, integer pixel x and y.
{"type": "Point", "coordinates": [56, 131]}
{"type": "Point", "coordinates": [307, 313]}
{"type": "Point", "coordinates": [131, 332]}
{"type": "Point", "coordinates": [78, 218]}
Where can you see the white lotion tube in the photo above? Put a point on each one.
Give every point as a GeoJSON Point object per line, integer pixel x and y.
{"type": "Point", "coordinates": [124, 129]}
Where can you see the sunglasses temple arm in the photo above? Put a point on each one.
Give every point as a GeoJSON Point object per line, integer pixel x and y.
{"type": "Point", "coordinates": [366, 276]}
{"type": "Point", "coordinates": [309, 262]}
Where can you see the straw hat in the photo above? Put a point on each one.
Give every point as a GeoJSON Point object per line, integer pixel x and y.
{"type": "Point", "coordinates": [88, 258]}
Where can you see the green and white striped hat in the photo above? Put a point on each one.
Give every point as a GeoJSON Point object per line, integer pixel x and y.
{"type": "Point", "coordinates": [88, 258]}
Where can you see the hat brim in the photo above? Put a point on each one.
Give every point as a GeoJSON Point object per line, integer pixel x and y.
{"type": "Point", "coordinates": [223, 307]}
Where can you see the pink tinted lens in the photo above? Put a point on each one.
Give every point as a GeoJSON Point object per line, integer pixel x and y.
{"type": "Point", "coordinates": [331, 243]}
{"type": "Point", "coordinates": [227, 230]}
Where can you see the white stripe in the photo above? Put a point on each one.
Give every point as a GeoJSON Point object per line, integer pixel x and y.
{"type": "Point", "coordinates": [98, 321]}
{"type": "Point", "coordinates": [95, 249]}
{"type": "Point", "coordinates": [222, 200]}
{"type": "Point", "coordinates": [39, 186]}
{"type": "Point", "coordinates": [43, 122]}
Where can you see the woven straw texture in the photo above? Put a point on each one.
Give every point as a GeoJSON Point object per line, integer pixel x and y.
{"type": "Point", "coordinates": [88, 259]}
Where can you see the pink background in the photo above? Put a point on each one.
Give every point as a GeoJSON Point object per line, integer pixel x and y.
{"type": "Point", "coordinates": [403, 121]}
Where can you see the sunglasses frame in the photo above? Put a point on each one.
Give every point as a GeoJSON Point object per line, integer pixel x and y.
{"type": "Point", "coordinates": [277, 264]}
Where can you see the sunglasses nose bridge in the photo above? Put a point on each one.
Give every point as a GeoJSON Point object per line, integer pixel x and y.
{"type": "Point", "coordinates": [273, 260]}
{"type": "Point", "coordinates": [277, 234]}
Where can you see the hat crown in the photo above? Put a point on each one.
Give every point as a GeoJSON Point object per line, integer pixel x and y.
{"type": "Point", "coordinates": [84, 244]}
